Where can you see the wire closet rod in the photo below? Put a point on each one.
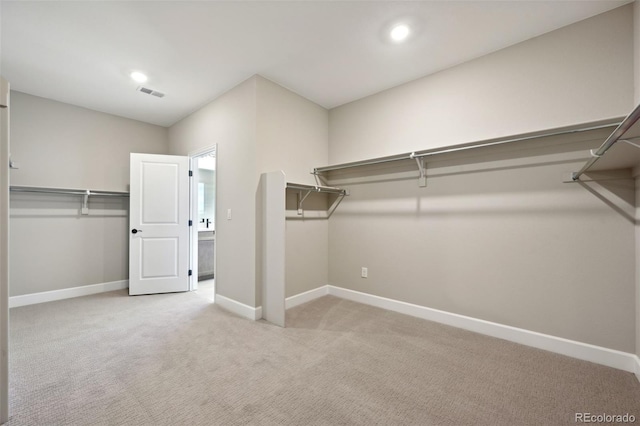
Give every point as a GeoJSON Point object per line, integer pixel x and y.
{"type": "Point", "coordinates": [316, 188]}
{"type": "Point", "coordinates": [68, 191]}
{"type": "Point", "coordinates": [449, 149]}
{"type": "Point", "coordinates": [626, 124]}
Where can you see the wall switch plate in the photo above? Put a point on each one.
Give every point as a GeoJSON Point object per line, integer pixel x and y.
{"type": "Point", "coordinates": [228, 214]}
{"type": "Point", "coordinates": [365, 272]}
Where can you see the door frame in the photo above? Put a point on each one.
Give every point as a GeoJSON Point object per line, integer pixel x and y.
{"type": "Point", "coordinates": [193, 213]}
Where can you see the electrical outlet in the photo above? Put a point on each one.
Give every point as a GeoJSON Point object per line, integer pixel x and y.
{"type": "Point", "coordinates": [365, 272]}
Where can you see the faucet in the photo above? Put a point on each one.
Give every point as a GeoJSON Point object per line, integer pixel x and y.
{"type": "Point", "coordinates": [207, 223]}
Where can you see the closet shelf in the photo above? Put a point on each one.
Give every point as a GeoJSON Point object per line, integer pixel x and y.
{"type": "Point", "coordinates": [627, 131]}
{"type": "Point", "coordinates": [341, 193]}
{"type": "Point", "coordinates": [85, 193]}
{"type": "Point", "coordinates": [420, 156]}
{"type": "Point", "coordinates": [317, 188]}
{"type": "Point", "coordinates": [68, 191]}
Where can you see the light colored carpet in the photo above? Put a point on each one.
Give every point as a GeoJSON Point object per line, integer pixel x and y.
{"type": "Point", "coordinates": [176, 359]}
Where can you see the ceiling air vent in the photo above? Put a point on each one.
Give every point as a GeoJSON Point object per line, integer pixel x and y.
{"type": "Point", "coordinates": [150, 91]}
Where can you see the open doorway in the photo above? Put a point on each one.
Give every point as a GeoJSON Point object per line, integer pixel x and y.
{"type": "Point", "coordinates": [203, 236]}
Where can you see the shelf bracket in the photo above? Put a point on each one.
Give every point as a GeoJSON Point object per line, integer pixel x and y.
{"type": "Point", "coordinates": [305, 190]}
{"type": "Point", "coordinates": [85, 202]}
{"type": "Point", "coordinates": [335, 204]}
{"type": "Point", "coordinates": [422, 180]}
{"type": "Point", "coordinates": [628, 140]}
{"type": "Point", "coordinates": [301, 200]}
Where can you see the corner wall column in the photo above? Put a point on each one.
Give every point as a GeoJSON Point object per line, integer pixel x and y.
{"type": "Point", "coordinates": [4, 250]}
{"type": "Point", "coordinates": [272, 246]}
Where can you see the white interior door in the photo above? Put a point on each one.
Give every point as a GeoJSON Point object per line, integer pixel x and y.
{"type": "Point", "coordinates": [159, 224]}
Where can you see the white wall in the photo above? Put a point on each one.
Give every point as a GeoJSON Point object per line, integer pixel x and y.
{"type": "Point", "coordinates": [576, 74]}
{"type": "Point", "coordinates": [636, 73]}
{"type": "Point", "coordinates": [636, 51]}
{"type": "Point", "coordinates": [293, 137]}
{"type": "Point", "coordinates": [52, 246]}
{"type": "Point", "coordinates": [229, 122]}
{"type": "Point", "coordinates": [4, 250]}
{"type": "Point", "coordinates": [496, 234]}
{"type": "Point", "coordinates": [637, 258]}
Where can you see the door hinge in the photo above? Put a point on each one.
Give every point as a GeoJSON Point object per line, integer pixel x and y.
{"type": "Point", "coordinates": [190, 173]}
{"type": "Point", "coordinates": [190, 223]}
{"type": "Point", "coordinates": [190, 272]}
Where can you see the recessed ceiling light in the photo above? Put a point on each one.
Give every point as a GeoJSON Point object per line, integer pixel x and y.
{"type": "Point", "coordinates": [138, 76]}
{"type": "Point", "coordinates": [399, 32]}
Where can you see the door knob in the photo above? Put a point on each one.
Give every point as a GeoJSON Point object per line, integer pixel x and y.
{"type": "Point", "coordinates": [135, 231]}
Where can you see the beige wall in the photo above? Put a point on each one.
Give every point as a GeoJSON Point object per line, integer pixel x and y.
{"type": "Point", "coordinates": [292, 137]}
{"type": "Point", "coordinates": [259, 127]}
{"type": "Point", "coordinates": [52, 246]}
{"type": "Point", "coordinates": [230, 123]}
{"type": "Point", "coordinates": [66, 146]}
{"type": "Point", "coordinates": [576, 74]}
{"type": "Point", "coordinates": [502, 240]}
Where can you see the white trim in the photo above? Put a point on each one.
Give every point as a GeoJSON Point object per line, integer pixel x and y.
{"type": "Point", "coordinates": [193, 215]}
{"type": "Point", "coordinates": [637, 367]}
{"type": "Point", "coordinates": [238, 308]}
{"type": "Point", "coordinates": [206, 150]}
{"type": "Point", "coordinates": [66, 293]}
{"type": "Point", "coordinates": [584, 351]}
{"type": "Point", "coordinates": [291, 301]}
{"type": "Point", "coordinates": [305, 297]}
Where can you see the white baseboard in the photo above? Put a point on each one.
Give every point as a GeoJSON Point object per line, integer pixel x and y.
{"type": "Point", "coordinates": [66, 293]}
{"type": "Point", "coordinates": [238, 308]}
{"type": "Point", "coordinates": [584, 351]}
{"type": "Point", "coordinates": [305, 297]}
{"type": "Point", "coordinates": [289, 302]}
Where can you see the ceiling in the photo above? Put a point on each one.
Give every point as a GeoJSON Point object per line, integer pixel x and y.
{"type": "Point", "coordinates": [331, 52]}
